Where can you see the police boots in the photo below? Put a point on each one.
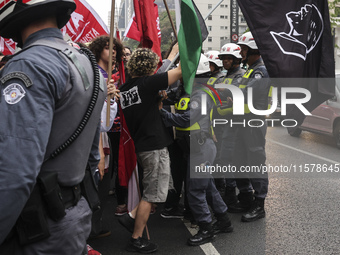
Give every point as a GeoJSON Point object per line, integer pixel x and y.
{"type": "Point", "coordinates": [204, 235]}
{"type": "Point", "coordinates": [223, 224]}
{"type": "Point", "coordinates": [255, 212]}
{"type": "Point", "coordinates": [230, 196]}
{"type": "Point", "coordinates": [244, 203]}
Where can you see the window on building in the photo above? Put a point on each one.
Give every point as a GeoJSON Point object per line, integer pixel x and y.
{"type": "Point", "coordinates": [222, 38]}
{"type": "Point", "coordinates": [209, 48]}
{"type": "Point", "coordinates": [222, 17]}
{"type": "Point", "coordinates": [209, 28]}
{"type": "Point", "coordinates": [209, 39]}
{"type": "Point", "coordinates": [210, 17]}
{"type": "Point", "coordinates": [222, 5]}
{"type": "Point", "coordinates": [209, 6]}
{"type": "Point", "coordinates": [222, 27]}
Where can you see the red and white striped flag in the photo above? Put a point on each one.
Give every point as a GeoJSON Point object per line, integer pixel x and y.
{"type": "Point", "coordinates": [84, 24]}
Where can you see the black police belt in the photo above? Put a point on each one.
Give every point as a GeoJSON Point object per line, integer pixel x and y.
{"type": "Point", "coordinates": [70, 195]}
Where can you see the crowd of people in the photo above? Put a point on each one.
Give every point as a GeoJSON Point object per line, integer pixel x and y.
{"type": "Point", "coordinates": [55, 191]}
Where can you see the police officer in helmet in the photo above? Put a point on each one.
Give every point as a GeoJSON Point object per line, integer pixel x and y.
{"type": "Point", "coordinates": [43, 159]}
{"type": "Point", "coordinates": [250, 139]}
{"type": "Point", "coordinates": [201, 189]}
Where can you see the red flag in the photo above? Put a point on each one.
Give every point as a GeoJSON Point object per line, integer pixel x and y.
{"type": "Point", "coordinates": [127, 159]}
{"type": "Point", "coordinates": [85, 24]}
{"type": "Point", "coordinates": [7, 46]}
{"type": "Point", "coordinates": [150, 30]}
{"type": "Point", "coordinates": [132, 31]}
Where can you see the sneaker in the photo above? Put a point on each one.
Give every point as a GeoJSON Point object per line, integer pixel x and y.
{"type": "Point", "coordinates": [202, 237]}
{"type": "Point", "coordinates": [121, 210]}
{"type": "Point", "coordinates": [172, 213]}
{"type": "Point", "coordinates": [91, 251]}
{"type": "Point", "coordinates": [141, 245]}
{"type": "Point", "coordinates": [103, 233]}
{"type": "Point", "coordinates": [127, 222]}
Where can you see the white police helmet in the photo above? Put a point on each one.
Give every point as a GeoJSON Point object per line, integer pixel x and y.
{"type": "Point", "coordinates": [203, 65]}
{"type": "Point", "coordinates": [248, 40]}
{"type": "Point", "coordinates": [213, 57]}
{"type": "Point", "coordinates": [230, 49]}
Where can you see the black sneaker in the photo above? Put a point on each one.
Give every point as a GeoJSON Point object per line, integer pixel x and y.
{"type": "Point", "coordinates": [127, 222]}
{"type": "Point", "coordinates": [202, 237]}
{"type": "Point", "coordinates": [141, 245]}
{"type": "Point", "coordinates": [172, 213]}
{"type": "Point", "coordinates": [256, 212]}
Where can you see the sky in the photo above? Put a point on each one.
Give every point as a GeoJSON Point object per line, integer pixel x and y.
{"type": "Point", "coordinates": [102, 7]}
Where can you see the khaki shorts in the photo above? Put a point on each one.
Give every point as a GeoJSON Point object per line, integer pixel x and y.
{"type": "Point", "coordinates": [156, 170]}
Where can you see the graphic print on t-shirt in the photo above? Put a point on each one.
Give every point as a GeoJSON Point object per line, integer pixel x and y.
{"type": "Point", "coordinates": [130, 97]}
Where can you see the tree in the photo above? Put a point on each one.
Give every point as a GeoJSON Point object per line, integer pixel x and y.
{"type": "Point", "coordinates": [166, 29]}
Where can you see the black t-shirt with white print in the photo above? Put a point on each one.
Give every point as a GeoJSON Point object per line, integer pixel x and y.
{"type": "Point", "coordinates": [139, 102]}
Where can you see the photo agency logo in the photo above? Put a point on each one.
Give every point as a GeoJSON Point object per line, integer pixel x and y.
{"type": "Point", "coordinates": [238, 107]}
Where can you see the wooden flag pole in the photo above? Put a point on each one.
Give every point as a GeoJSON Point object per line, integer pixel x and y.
{"type": "Point", "coordinates": [109, 71]}
{"type": "Point", "coordinates": [169, 15]}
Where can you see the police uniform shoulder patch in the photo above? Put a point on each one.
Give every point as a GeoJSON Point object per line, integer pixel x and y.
{"type": "Point", "coordinates": [13, 93]}
{"type": "Point", "coordinates": [17, 75]}
{"type": "Point", "coordinates": [258, 76]}
{"type": "Point", "coordinates": [194, 105]}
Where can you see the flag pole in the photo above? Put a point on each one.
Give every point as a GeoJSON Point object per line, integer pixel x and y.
{"type": "Point", "coordinates": [169, 15]}
{"type": "Point", "coordinates": [109, 71]}
{"type": "Point", "coordinates": [212, 10]}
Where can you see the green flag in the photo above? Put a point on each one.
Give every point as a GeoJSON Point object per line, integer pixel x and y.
{"type": "Point", "coordinates": [189, 42]}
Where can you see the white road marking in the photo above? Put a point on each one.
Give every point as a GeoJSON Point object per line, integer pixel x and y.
{"type": "Point", "coordinates": [304, 152]}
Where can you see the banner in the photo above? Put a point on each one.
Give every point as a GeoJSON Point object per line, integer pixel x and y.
{"type": "Point", "coordinates": [85, 24]}
{"type": "Point", "coordinates": [295, 41]}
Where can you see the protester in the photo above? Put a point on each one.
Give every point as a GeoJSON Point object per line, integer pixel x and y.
{"type": "Point", "coordinates": [100, 48]}
{"type": "Point", "coordinates": [45, 90]}
{"type": "Point", "coordinates": [139, 101]}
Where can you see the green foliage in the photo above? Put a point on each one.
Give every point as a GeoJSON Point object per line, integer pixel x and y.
{"type": "Point", "coordinates": [334, 12]}
{"type": "Point", "coordinates": [166, 29]}
{"type": "Point", "coordinates": [133, 44]}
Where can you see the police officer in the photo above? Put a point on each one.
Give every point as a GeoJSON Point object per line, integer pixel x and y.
{"type": "Point", "coordinates": [45, 92]}
{"type": "Point", "coordinates": [250, 139]}
{"type": "Point", "coordinates": [231, 59]}
{"type": "Point", "coordinates": [201, 190]}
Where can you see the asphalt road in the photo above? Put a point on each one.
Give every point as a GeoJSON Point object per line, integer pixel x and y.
{"type": "Point", "coordinates": [302, 208]}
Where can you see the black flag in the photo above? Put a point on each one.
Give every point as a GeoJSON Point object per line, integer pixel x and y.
{"type": "Point", "coordinates": [295, 41]}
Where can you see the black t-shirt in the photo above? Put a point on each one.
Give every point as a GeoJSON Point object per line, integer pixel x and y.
{"type": "Point", "coordinates": [139, 102]}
